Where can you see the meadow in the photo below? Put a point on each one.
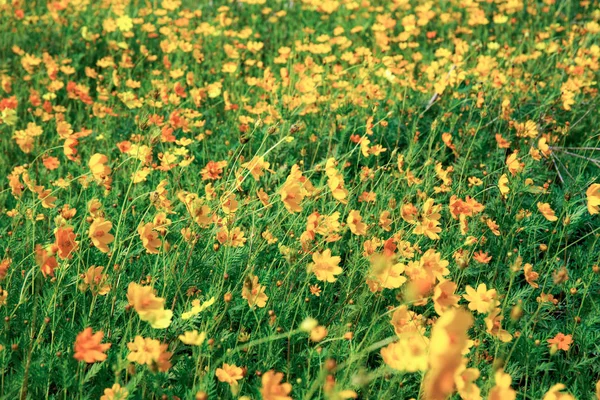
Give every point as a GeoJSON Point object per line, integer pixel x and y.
{"type": "Point", "coordinates": [299, 199]}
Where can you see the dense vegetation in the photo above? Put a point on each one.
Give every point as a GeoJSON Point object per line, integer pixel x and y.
{"type": "Point", "coordinates": [299, 199]}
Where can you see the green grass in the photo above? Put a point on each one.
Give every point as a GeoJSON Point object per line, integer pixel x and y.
{"type": "Point", "coordinates": [351, 74]}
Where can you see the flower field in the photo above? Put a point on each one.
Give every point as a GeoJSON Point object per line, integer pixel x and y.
{"type": "Point", "coordinates": [299, 199]}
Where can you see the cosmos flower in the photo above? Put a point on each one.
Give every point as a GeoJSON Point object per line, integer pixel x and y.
{"type": "Point", "coordinates": [88, 346]}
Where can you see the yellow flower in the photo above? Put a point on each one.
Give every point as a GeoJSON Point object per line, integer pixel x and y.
{"type": "Point", "coordinates": [355, 223]}
{"type": "Point", "coordinates": [151, 352]}
{"type": "Point", "coordinates": [481, 300]}
{"type": "Point", "coordinates": [149, 237]}
{"type": "Point", "coordinates": [124, 23]}
{"type": "Point", "coordinates": [448, 340]}
{"type": "Point", "coordinates": [546, 211]}
{"type": "Point", "coordinates": [149, 307]}
{"type": "Point", "coordinates": [193, 338]}
{"type": "Point", "coordinates": [256, 167]}
{"type": "Point", "coordinates": [593, 198]}
{"type": "Point", "coordinates": [97, 165]}
{"type": "Point", "coordinates": [409, 354]}
{"type": "Point", "coordinates": [502, 389]}
{"type": "Point", "coordinates": [98, 232]}
{"type": "Point", "coordinates": [295, 188]}
{"type": "Point", "coordinates": [503, 185]}
{"type": "Point", "coordinates": [444, 297]}
{"type": "Point", "coordinates": [555, 393]}
{"type": "Point", "coordinates": [325, 266]}
{"type": "Point", "coordinates": [254, 293]}
{"type": "Point", "coordinates": [272, 388]}
{"type": "Point", "coordinates": [406, 321]}
{"type": "Point", "coordinates": [318, 333]}
{"type": "Point", "coordinates": [385, 273]}
{"type": "Point", "coordinates": [513, 164]}
{"type": "Point", "coordinates": [95, 280]}
{"type": "Point", "coordinates": [197, 308]}
{"type": "Point", "coordinates": [116, 392]}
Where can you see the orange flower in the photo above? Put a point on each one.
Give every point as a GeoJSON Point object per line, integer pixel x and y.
{"type": "Point", "coordinates": [45, 260]}
{"type": "Point", "coordinates": [273, 389]}
{"type": "Point", "coordinates": [149, 307]}
{"type": "Point", "coordinates": [51, 163]}
{"type": "Point", "coordinates": [593, 198]}
{"type": "Point", "coordinates": [88, 347]}
{"type": "Point", "coordinates": [385, 221]}
{"type": "Point", "coordinates": [98, 232]}
{"type": "Point", "coordinates": [409, 213]}
{"type": "Point", "coordinates": [482, 257]}
{"type": "Point", "coordinates": [4, 265]}
{"type": "Point", "coordinates": [45, 196]}
{"type": "Point", "coordinates": [561, 341]}
{"type": "Point", "coordinates": [530, 275]}
{"type": "Point", "coordinates": [65, 242]}
{"type": "Point", "coordinates": [213, 170]}
{"type": "Point", "coordinates": [325, 266]}
{"type": "Point", "coordinates": [229, 374]}
{"type": "Point", "coordinates": [253, 292]}
{"type": "Point", "coordinates": [149, 237]}
{"type": "Point", "coordinates": [546, 211]}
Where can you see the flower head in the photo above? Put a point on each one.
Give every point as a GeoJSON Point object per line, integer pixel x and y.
{"type": "Point", "coordinates": [88, 346]}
